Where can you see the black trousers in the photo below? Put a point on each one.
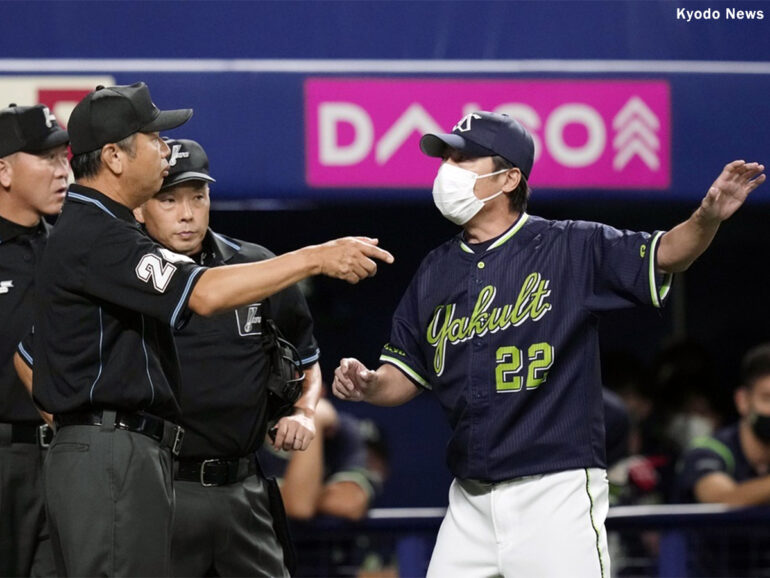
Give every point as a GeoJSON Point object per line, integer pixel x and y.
{"type": "Point", "coordinates": [110, 502]}
{"type": "Point", "coordinates": [227, 530]}
{"type": "Point", "coordinates": [25, 548]}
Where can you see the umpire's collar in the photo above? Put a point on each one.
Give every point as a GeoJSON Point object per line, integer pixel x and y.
{"type": "Point", "coordinates": [88, 196]}
{"type": "Point", "coordinates": [10, 230]}
{"type": "Point", "coordinates": [217, 249]}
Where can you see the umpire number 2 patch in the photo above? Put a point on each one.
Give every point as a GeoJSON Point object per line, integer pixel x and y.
{"type": "Point", "coordinates": [152, 267]}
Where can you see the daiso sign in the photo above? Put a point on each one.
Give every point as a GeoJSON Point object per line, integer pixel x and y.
{"type": "Point", "coordinates": [587, 133]}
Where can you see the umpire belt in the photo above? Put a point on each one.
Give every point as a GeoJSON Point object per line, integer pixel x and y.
{"type": "Point", "coordinates": [26, 433]}
{"type": "Point", "coordinates": [215, 471]}
{"type": "Point", "coordinates": [164, 432]}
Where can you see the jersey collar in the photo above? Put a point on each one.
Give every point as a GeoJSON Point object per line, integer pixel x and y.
{"type": "Point", "coordinates": [502, 239]}
{"type": "Point", "coordinates": [10, 230]}
{"type": "Point", "coordinates": [88, 196]}
{"type": "Point", "coordinates": [223, 247]}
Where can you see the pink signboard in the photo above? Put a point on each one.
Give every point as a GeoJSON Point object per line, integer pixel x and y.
{"type": "Point", "coordinates": [588, 133]}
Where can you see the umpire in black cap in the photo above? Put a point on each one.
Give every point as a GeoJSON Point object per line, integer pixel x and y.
{"type": "Point", "coordinates": [105, 363]}
{"type": "Point", "coordinates": [33, 181]}
{"type": "Point", "coordinates": [224, 524]}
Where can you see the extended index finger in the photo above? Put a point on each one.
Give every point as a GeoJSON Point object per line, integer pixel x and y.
{"type": "Point", "coordinates": [377, 253]}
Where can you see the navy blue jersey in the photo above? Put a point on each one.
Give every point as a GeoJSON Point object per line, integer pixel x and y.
{"type": "Point", "coordinates": [507, 339]}
{"type": "Point", "coordinates": [720, 452]}
{"type": "Point", "coordinates": [224, 367]}
{"type": "Point", "coordinates": [107, 299]}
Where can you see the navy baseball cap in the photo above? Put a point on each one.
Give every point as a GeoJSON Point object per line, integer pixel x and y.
{"type": "Point", "coordinates": [110, 114]}
{"type": "Point", "coordinates": [486, 134]}
{"type": "Point", "coordinates": [186, 162]}
{"type": "Point", "coordinates": [29, 129]}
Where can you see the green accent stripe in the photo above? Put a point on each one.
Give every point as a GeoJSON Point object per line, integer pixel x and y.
{"type": "Point", "coordinates": [516, 228]}
{"type": "Point", "coordinates": [658, 294]}
{"type": "Point", "coordinates": [593, 523]}
{"type": "Point", "coordinates": [406, 369]}
{"type": "Point", "coordinates": [465, 247]}
{"type": "Point", "coordinates": [717, 447]}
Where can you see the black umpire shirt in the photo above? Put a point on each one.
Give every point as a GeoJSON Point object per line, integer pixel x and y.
{"type": "Point", "coordinates": [223, 363]}
{"type": "Point", "coordinates": [20, 251]}
{"type": "Point", "coordinates": [107, 299]}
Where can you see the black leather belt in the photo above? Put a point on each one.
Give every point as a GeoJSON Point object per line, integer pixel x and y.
{"type": "Point", "coordinates": [164, 432]}
{"type": "Point", "coordinates": [30, 433]}
{"type": "Point", "coordinates": [215, 471]}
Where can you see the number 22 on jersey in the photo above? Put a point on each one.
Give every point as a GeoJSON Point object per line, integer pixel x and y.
{"type": "Point", "coordinates": [512, 373]}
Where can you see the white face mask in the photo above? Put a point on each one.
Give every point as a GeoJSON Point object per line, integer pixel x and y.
{"type": "Point", "coordinates": [453, 193]}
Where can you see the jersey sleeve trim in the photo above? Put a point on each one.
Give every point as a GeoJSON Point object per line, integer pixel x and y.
{"type": "Point", "coordinates": [25, 355]}
{"type": "Point", "coordinates": [658, 294]}
{"type": "Point", "coordinates": [185, 296]}
{"type": "Point", "coordinates": [312, 359]}
{"type": "Point", "coordinates": [718, 448]}
{"type": "Point", "coordinates": [410, 373]}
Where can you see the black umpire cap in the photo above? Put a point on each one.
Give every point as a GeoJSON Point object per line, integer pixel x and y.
{"type": "Point", "coordinates": [29, 129]}
{"type": "Point", "coordinates": [186, 162]}
{"type": "Point", "coordinates": [486, 134]}
{"type": "Point", "coordinates": [110, 114]}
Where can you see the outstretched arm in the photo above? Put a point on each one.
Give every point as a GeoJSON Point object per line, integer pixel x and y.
{"type": "Point", "coordinates": [353, 381]}
{"type": "Point", "coordinates": [224, 288]}
{"type": "Point", "coordinates": [680, 246]}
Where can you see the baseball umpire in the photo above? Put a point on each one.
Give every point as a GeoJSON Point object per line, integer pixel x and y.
{"type": "Point", "coordinates": [33, 182]}
{"type": "Point", "coordinates": [104, 360]}
{"type": "Point", "coordinates": [501, 323]}
{"type": "Point", "coordinates": [223, 521]}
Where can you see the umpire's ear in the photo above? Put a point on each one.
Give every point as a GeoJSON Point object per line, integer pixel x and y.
{"type": "Point", "coordinates": [139, 214]}
{"type": "Point", "coordinates": [6, 171]}
{"type": "Point", "coordinates": [112, 158]}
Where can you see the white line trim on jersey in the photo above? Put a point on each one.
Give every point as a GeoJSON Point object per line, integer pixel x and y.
{"type": "Point", "coordinates": [515, 229]}
{"type": "Point", "coordinates": [389, 66]}
{"type": "Point", "coordinates": [227, 242]}
{"type": "Point", "coordinates": [147, 364]}
{"type": "Point", "coordinates": [406, 369]}
{"type": "Point", "coordinates": [182, 299]}
{"type": "Point", "coordinates": [312, 359]}
{"type": "Point", "coordinates": [25, 354]}
{"type": "Point", "coordinates": [85, 199]}
{"type": "Point", "coordinates": [101, 360]}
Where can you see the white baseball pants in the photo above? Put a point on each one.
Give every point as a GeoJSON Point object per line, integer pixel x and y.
{"type": "Point", "coordinates": [545, 526]}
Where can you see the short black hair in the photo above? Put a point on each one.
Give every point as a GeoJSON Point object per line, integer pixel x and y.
{"type": "Point", "coordinates": [755, 365]}
{"type": "Point", "coordinates": [519, 196]}
{"type": "Point", "coordinates": [87, 165]}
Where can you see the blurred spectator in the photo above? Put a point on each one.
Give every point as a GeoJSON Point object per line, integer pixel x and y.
{"type": "Point", "coordinates": [687, 388]}
{"type": "Point", "coordinates": [733, 467]}
{"type": "Point", "coordinates": [339, 475]}
{"type": "Point", "coordinates": [333, 476]}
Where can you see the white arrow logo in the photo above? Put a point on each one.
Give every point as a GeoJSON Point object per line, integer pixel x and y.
{"type": "Point", "coordinates": [5, 286]}
{"type": "Point", "coordinates": [636, 127]}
